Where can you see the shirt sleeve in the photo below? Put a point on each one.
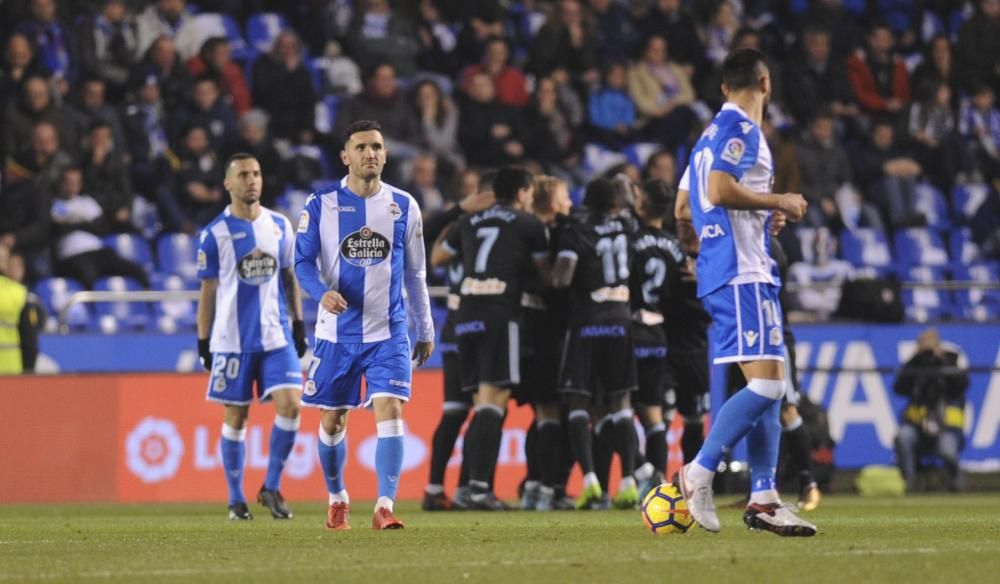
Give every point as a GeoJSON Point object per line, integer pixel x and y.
{"type": "Point", "coordinates": [208, 256]}
{"type": "Point", "coordinates": [685, 184]}
{"type": "Point", "coordinates": [288, 245]}
{"type": "Point", "coordinates": [307, 248]}
{"type": "Point", "coordinates": [415, 275]}
{"type": "Point", "coordinates": [736, 150]}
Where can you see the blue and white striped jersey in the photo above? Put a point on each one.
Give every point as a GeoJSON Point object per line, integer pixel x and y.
{"type": "Point", "coordinates": [247, 257]}
{"type": "Point", "coordinates": [735, 245]}
{"type": "Point", "coordinates": [367, 249]}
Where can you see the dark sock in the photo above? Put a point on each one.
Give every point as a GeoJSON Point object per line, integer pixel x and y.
{"type": "Point", "coordinates": [485, 444]}
{"type": "Point", "coordinates": [566, 459]}
{"type": "Point", "coordinates": [531, 453]}
{"type": "Point", "coordinates": [547, 446]}
{"type": "Point", "coordinates": [581, 442]}
{"type": "Point", "coordinates": [626, 441]}
{"type": "Point", "coordinates": [656, 446]}
{"type": "Point", "coordinates": [443, 443]}
{"type": "Point", "coordinates": [800, 448]}
{"type": "Point", "coordinates": [604, 449]}
{"type": "Point", "coordinates": [693, 438]}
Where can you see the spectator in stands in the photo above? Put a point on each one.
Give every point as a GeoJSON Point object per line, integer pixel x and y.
{"type": "Point", "coordinates": [466, 184]}
{"type": "Point", "coordinates": [937, 66]}
{"type": "Point", "coordinates": [816, 79]}
{"type": "Point", "coordinates": [835, 16]}
{"type": "Point", "coordinates": [384, 100]}
{"type": "Point", "coordinates": [147, 125]}
{"type": "Point", "coordinates": [611, 112]}
{"type": "Point", "coordinates": [341, 74]}
{"type": "Point", "coordinates": [820, 279]}
{"type": "Point", "coordinates": [162, 61]}
{"type": "Point", "coordinates": [661, 165]}
{"type": "Point", "coordinates": [567, 41]}
{"type": "Point", "coordinates": [934, 382]}
{"type": "Point", "coordinates": [78, 224]}
{"type": "Point", "coordinates": [40, 162]}
{"type": "Point", "coordinates": [36, 105]}
{"type": "Point", "coordinates": [105, 45]}
{"type": "Point", "coordinates": [106, 176]}
{"type": "Point", "coordinates": [254, 139]}
{"type": "Point", "coordinates": [92, 107]}
{"type": "Point", "coordinates": [165, 18]}
{"type": "Point", "coordinates": [424, 186]}
{"type": "Point", "coordinates": [887, 174]}
{"type": "Point", "coordinates": [878, 78]}
{"type": "Point", "coordinates": [216, 60]}
{"type": "Point", "coordinates": [491, 133]}
{"type": "Point", "coordinates": [980, 125]}
{"type": "Point", "coordinates": [194, 196]}
{"type": "Point", "coordinates": [719, 32]}
{"type": "Point", "coordinates": [438, 40]}
{"type": "Point", "coordinates": [481, 19]}
{"type": "Point", "coordinates": [509, 83]}
{"type": "Point", "coordinates": [662, 93]}
{"type": "Point", "coordinates": [934, 133]}
{"type": "Point", "coordinates": [283, 87]}
{"type": "Point", "coordinates": [19, 64]}
{"type": "Point", "coordinates": [551, 139]}
{"type": "Point", "coordinates": [785, 153]}
{"type": "Point", "coordinates": [437, 115]}
{"type": "Point", "coordinates": [381, 35]}
{"type": "Point", "coordinates": [51, 41]}
{"type": "Point", "coordinates": [979, 45]}
{"type": "Point", "coordinates": [207, 108]}
{"type": "Point", "coordinates": [669, 19]}
{"type": "Point", "coordinates": [616, 32]}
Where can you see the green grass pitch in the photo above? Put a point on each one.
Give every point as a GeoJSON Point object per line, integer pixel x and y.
{"type": "Point", "coordinates": [916, 539]}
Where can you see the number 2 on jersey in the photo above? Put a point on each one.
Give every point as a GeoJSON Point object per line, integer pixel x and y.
{"type": "Point", "coordinates": [489, 236]}
{"type": "Point", "coordinates": [614, 251]}
{"type": "Point", "coordinates": [656, 269]}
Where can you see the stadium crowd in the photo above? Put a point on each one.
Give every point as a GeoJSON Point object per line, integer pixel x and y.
{"type": "Point", "coordinates": [118, 113]}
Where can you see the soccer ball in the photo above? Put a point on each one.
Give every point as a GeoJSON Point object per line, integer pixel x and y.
{"type": "Point", "coordinates": [664, 511]}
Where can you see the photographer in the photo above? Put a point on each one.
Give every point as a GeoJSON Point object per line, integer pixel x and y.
{"type": "Point", "coordinates": [935, 380]}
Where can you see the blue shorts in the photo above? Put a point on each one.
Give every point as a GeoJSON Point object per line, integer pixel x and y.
{"type": "Point", "coordinates": [234, 374]}
{"type": "Point", "coordinates": [746, 323]}
{"type": "Point", "coordinates": [334, 380]}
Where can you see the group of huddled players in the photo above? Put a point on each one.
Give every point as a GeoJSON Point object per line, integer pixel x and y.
{"type": "Point", "coordinates": [589, 315]}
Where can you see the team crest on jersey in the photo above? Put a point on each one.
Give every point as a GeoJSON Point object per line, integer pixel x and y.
{"type": "Point", "coordinates": [394, 211]}
{"type": "Point", "coordinates": [220, 384]}
{"type": "Point", "coordinates": [732, 152]}
{"type": "Point", "coordinates": [303, 222]}
{"type": "Point", "coordinates": [364, 248]}
{"type": "Point", "coordinates": [202, 260]}
{"type": "Point", "coordinates": [256, 267]}
{"type": "Point", "coordinates": [309, 388]}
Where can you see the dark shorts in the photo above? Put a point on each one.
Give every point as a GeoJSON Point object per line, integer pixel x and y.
{"type": "Point", "coordinates": [651, 364]}
{"type": "Point", "coordinates": [451, 363]}
{"type": "Point", "coordinates": [541, 351]}
{"type": "Point", "coordinates": [489, 352]}
{"type": "Point", "coordinates": [598, 361]}
{"type": "Point", "coordinates": [691, 389]}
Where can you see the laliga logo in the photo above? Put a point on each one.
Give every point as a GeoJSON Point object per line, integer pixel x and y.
{"type": "Point", "coordinates": [153, 450]}
{"type": "Point", "coordinates": [414, 452]}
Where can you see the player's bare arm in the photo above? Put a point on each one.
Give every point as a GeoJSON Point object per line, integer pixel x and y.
{"type": "Point", "coordinates": [545, 269]}
{"type": "Point", "coordinates": [562, 272]}
{"type": "Point", "coordinates": [440, 256]}
{"type": "Point", "coordinates": [206, 314]}
{"type": "Point", "coordinates": [685, 227]}
{"type": "Point", "coordinates": [725, 190]}
{"type": "Point", "coordinates": [294, 299]}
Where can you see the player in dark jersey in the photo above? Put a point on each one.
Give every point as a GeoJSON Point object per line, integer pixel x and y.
{"type": "Point", "coordinates": [456, 402]}
{"type": "Point", "coordinates": [498, 247]}
{"type": "Point", "coordinates": [657, 264]}
{"type": "Point", "coordinates": [598, 361]}
{"type": "Point", "coordinates": [543, 318]}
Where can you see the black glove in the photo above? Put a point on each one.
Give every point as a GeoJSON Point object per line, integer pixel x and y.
{"type": "Point", "coordinates": [205, 354]}
{"type": "Point", "coordinates": [299, 337]}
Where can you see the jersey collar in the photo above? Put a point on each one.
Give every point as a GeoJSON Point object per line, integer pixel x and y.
{"type": "Point", "coordinates": [733, 107]}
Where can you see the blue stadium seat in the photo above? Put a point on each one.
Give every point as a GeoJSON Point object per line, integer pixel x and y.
{"type": "Point", "coordinates": [920, 246]}
{"type": "Point", "coordinates": [977, 304]}
{"type": "Point", "coordinates": [597, 159]}
{"type": "Point", "coordinates": [241, 50]}
{"type": "Point", "coordinates": [174, 315]}
{"type": "Point", "coordinates": [263, 28]}
{"type": "Point", "coordinates": [961, 249]}
{"type": "Point", "coordinates": [55, 293]}
{"type": "Point", "coordinates": [326, 113]}
{"type": "Point", "coordinates": [932, 203]}
{"type": "Point", "coordinates": [112, 317]}
{"type": "Point", "coordinates": [926, 303]}
{"type": "Point", "coordinates": [639, 153]}
{"type": "Point", "coordinates": [865, 247]}
{"type": "Point", "coordinates": [132, 247]}
{"type": "Point", "coordinates": [966, 199]}
{"type": "Point", "coordinates": [177, 253]}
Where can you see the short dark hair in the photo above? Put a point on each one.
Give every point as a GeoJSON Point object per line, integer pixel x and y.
{"type": "Point", "coordinates": [487, 180]}
{"type": "Point", "coordinates": [659, 198]}
{"type": "Point", "coordinates": [210, 44]}
{"type": "Point", "coordinates": [509, 181]}
{"type": "Point", "coordinates": [600, 196]}
{"type": "Point", "coordinates": [360, 126]}
{"type": "Point", "coordinates": [742, 67]}
{"type": "Point", "coordinates": [237, 156]}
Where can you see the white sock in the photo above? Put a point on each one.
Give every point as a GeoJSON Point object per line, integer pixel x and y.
{"type": "Point", "coordinates": [626, 483]}
{"type": "Point", "coordinates": [768, 497]}
{"type": "Point", "coordinates": [383, 503]}
{"type": "Point", "coordinates": [698, 474]}
{"type": "Point", "coordinates": [340, 497]}
{"type": "Point", "coordinates": [434, 489]}
{"type": "Point", "coordinates": [645, 472]}
{"type": "Point", "coordinates": [531, 485]}
{"type": "Point", "coordinates": [590, 479]}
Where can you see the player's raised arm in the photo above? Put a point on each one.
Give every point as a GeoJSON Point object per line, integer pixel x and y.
{"type": "Point", "coordinates": [446, 248]}
{"type": "Point", "coordinates": [415, 282]}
